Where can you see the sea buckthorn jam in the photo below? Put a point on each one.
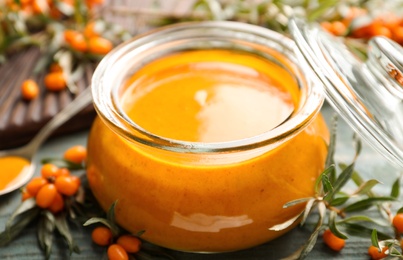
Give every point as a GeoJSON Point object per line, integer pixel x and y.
{"type": "Point", "coordinates": [202, 146]}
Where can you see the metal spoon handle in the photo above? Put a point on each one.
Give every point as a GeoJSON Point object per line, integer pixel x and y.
{"type": "Point", "coordinates": [79, 103]}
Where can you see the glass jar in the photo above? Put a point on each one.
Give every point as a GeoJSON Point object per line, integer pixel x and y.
{"type": "Point", "coordinates": [204, 196]}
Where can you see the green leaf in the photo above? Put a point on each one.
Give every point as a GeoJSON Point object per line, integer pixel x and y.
{"type": "Point", "coordinates": [96, 220]}
{"type": "Point", "coordinates": [110, 216]}
{"type": "Point", "coordinates": [16, 227]}
{"type": "Point", "coordinates": [395, 192]}
{"type": "Point", "coordinates": [310, 243]}
{"type": "Point", "coordinates": [285, 224]}
{"type": "Point", "coordinates": [46, 227]}
{"type": "Point", "coordinates": [365, 187]}
{"type": "Point", "coordinates": [25, 206]}
{"type": "Point", "coordinates": [344, 176]}
{"type": "Point", "coordinates": [366, 203]}
{"type": "Point", "coordinates": [320, 181]}
{"type": "Point", "coordinates": [308, 208]}
{"type": "Point", "coordinates": [358, 230]}
{"type": "Point", "coordinates": [358, 146]}
{"type": "Point", "coordinates": [399, 210]}
{"type": "Point", "coordinates": [339, 200]}
{"type": "Point", "coordinates": [296, 202]}
{"type": "Point", "coordinates": [63, 228]}
{"type": "Point", "coordinates": [374, 239]}
{"type": "Point", "coordinates": [332, 226]}
{"type": "Point", "coordinates": [361, 218]}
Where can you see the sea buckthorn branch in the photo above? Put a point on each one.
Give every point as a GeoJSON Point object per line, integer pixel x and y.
{"type": "Point", "coordinates": [69, 34]}
{"type": "Point", "coordinates": [118, 242]}
{"type": "Point", "coordinates": [335, 208]}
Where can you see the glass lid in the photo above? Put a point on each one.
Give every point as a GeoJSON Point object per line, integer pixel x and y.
{"type": "Point", "coordinates": [367, 94]}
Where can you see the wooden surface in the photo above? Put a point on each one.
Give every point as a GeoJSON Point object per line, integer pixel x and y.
{"type": "Point", "coordinates": [370, 165]}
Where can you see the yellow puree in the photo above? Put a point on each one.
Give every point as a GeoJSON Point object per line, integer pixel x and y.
{"type": "Point", "coordinates": [10, 168]}
{"type": "Point", "coordinates": [187, 202]}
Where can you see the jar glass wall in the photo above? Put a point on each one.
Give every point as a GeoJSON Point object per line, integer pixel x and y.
{"type": "Point", "coordinates": [204, 196]}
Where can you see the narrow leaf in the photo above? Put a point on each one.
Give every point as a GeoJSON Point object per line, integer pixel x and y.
{"type": "Point", "coordinates": [308, 246]}
{"type": "Point", "coordinates": [365, 187]}
{"type": "Point", "coordinates": [97, 221]}
{"type": "Point", "coordinates": [25, 206]}
{"type": "Point", "coordinates": [361, 218]}
{"type": "Point", "coordinates": [63, 228]}
{"type": "Point", "coordinates": [308, 208]}
{"type": "Point", "coordinates": [366, 203]}
{"type": "Point", "coordinates": [395, 192]}
{"type": "Point", "coordinates": [319, 181]}
{"type": "Point", "coordinates": [374, 239]}
{"type": "Point", "coordinates": [110, 216]}
{"type": "Point", "coordinates": [285, 224]}
{"type": "Point", "coordinates": [332, 226]}
{"type": "Point", "coordinates": [339, 200]}
{"type": "Point", "coordinates": [358, 230]}
{"type": "Point", "coordinates": [344, 176]}
{"type": "Point", "coordinates": [18, 226]}
{"type": "Point", "coordinates": [45, 232]}
{"type": "Point", "coordinates": [295, 202]}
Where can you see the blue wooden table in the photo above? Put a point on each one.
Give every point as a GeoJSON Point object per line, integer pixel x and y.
{"type": "Point", "coordinates": [370, 164]}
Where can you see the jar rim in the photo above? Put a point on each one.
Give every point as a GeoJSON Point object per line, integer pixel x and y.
{"type": "Point", "coordinates": [105, 104]}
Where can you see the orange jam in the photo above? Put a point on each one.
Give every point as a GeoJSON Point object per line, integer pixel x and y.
{"type": "Point", "coordinates": [195, 202]}
{"type": "Point", "coordinates": [11, 168]}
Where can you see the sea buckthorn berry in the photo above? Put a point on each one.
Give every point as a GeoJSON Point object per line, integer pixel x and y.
{"type": "Point", "coordinates": [55, 67]}
{"type": "Point", "coordinates": [66, 185]}
{"type": "Point", "coordinates": [76, 179]}
{"type": "Point", "coordinates": [101, 236]}
{"type": "Point", "coordinates": [76, 154]}
{"type": "Point", "coordinates": [57, 204]}
{"type": "Point", "coordinates": [79, 43]}
{"type": "Point", "coordinates": [332, 241]}
{"type": "Point", "coordinates": [29, 89]}
{"type": "Point", "coordinates": [130, 243]}
{"type": "Point", "coordinates": [99, 45]}
{"type": "Point", "coordinates": [116, 252]}
{"type": "Point", "coordinates": [35, 185]}
{"type": "Point", "coordinates": [49, 171]}
{"type": "Point", "coordinates": [398, 222]}
{"type": "Point", "coordinates": [90, 30]}
{"type": "Point", "coordinates": [25, 195]}
{"type": "Point", "coordinates": [55, 81]}
{"type": "Point", "coordinates": [63, 172]}
{"type": "Point", "coordinates": [375, 254]}
{"type": "Point", "coordinates": [69, 35]}
{"type": "Point", "coordinates": [46, 195]}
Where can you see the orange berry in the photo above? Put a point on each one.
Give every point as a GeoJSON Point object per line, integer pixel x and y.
{"type": "Point", "coordinates": [79, 43]}
{"type": "Point", "coordinates": [35, 185]}
{"type": "Point", "coordinates": [66, 185]}
{"type": "Point", "coordinates": [55, 67]}
{"type": "Point", "coordinates": [382, 31]}
{"type": "Point", "coordinates": [25, 195]}
{"type": "Point", "coordinates": [332, 241]}
{"type": "Point", "coordinates": [57, 204]}
{"type": "Point", "coordinates": [76, 154]}
{"type": "Point", "coordinates": [397, 34]}
{"type": "Point", "coordinates": [130, 243]}
{"type": "Point", "coordinates": [101, 236]}
{"type": "Point", "coordinates": [46, 195]}
{"type": "Point", "coordinates": [89, 30]}
{"type": "Point", "coordinates": [63, 172]}
{"type": "Point", "coordinates": [327, 26]}
{"type": "Point", "coordinates": [339, 28]}
{"type": "Point", "coordinates": [29, 89]}
{"type": "Point", "coordinates": [69, 35]}
{"type": "Point", "coordinates": [76, 179]}
{"type": "Point", "coordinates": [49, 171]}
{"type": "Point", "coordinates": [99, 45]}
{"type": "Point", "coordinates": [55, 81]}
{"type": "Point", "coordinates": [398, 222]}
{"type": "Point", "coordinates": [116, 252]}
{"type": "Point", "coordinates": [375, 254]}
